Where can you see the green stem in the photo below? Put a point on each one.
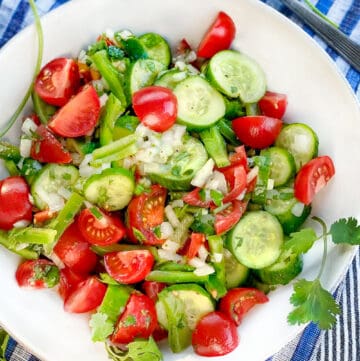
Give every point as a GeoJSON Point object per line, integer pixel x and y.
{"type": "Point", "coordinates": [324, 236]}
{"type": "Point", "coordinates": [40, 35]}
{"type": "Point", "coordinates": [318, 12]}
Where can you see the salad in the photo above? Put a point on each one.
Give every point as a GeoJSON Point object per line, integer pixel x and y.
{"type": "Point", "coordinates": [164, 194]}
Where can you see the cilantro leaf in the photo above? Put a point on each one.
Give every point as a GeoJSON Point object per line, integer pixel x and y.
{"type": "Point", "coordinates": [101, 326]}
{"type": "Point", "coordinates": [139, 350]}
{"type": "Point", "coordinates": [346, 231]}
{"type": "Point", "coordinates": [301, 241]}
{"type": "Point", "coordinates": [313, 303]}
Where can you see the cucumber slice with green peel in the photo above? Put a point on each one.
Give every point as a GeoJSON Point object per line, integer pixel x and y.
{"type": "Point", "coordinates": [156, 48]}
{"type": "Point", "coordinates": [287, 209]}
{"type": "Point", "coordinates": [47, 183]}
{"type": "Point", "coordinates": [124, 126]}
{"type": "Point", "coordinates": [171, 78]}
{"type": "Point", "coordinates": [237, 75]}
{"type": "Point", "coordinates": [199, 104]}
{"type": "Point", "coordinates": [197, 303]}
{"type": "Point", "coordinates": [235, 273]}
{"type": "Point", "coordinates": [256, 240]}
{"type": "Point", "coordinates": [282, 165]}
{"type": "Point", "coordinates": [284, 270]}
{"type": "Point", "coordinates": [300, 140]}
{"type": "Point", "coordinates": [111, 190]}
{"type": "Point", "coordinates": [143, 73]}
{"type": "Point", "coordinates": [181, 168]}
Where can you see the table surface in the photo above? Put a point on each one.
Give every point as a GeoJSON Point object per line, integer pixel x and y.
{"type": "Point", "coordinates": [342, 343]}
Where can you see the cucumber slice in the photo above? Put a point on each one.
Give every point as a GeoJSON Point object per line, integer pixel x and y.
{"type": "Point", "coordinates": [300, 140]}
{"type": "Point", "coordinates": [197, 303]}
{"type": "Point", "coordinates": [143, 73]}
{"type": "Point", "coordinates": [285, 269]}
{"type": "Point", "coordinates": [111, 190]}
{"type": "Point", "coordinates": [282, 165]}
{"type": "Point", "coordinates": [156, 48]}
{"type": "Point", "coordinates": [181, 168]}
{"type": "Point", "coordinates": [48, 182]}
{"type": "Point", "coordinates": [125, 126]}
{"type": "Point", "coordinates": [285, 207]}
{"type": "Point", "coordinates": [199, 104]}
{"type": "Point", "coordinates": [237, 75]}
{"type": "Point", "coordinates": [171, 78]}
{"type": "Point", "coordinates": [235, 272]}
{"type": "Point", "coordinates": [256, 240]}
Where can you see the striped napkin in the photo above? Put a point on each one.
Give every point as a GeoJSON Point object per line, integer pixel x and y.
{"type": "Point", "coordinates": [342, 343]}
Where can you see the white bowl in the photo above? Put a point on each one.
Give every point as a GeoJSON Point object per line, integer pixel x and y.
{"type": "Point", "coordinates": [318, 95]}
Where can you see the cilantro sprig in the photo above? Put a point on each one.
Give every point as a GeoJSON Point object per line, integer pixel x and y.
{"type": "Point", "coordinates": [310, 300]}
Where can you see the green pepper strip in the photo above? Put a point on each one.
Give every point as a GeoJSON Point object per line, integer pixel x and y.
{"type": "Point", "coordinates": [175, 277]}
{"type": "Point", "coordinates": [9, 152]}
{"type": "Point", "coordinates": [114, 147]}
{"type": "Point", "coordinates": [11, 246]}
{"type": "Point", "coordinates": [103, 250]}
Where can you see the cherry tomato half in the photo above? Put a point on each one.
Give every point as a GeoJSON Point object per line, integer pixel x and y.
{"type": "Point", "coordinates": [86, 296]}
{"type": "Point", "coordinates": [144, 213]}
{"type": "Point", "coordinates": [99, 228]}
{"type": "Point", "coordinates": [46, 148]}
{"type": "Point", "coordinates": [215, 335]}
{"type": "Point", "coordinates": [58, 81]}
{"type": "Point", "coordinates": [14, 202]}
{"type": "Point", "coordinates": [74, 251]}
{"type": "Point", "coordinates": [69, 280]}
{"type": "Point", "coordinates": [273, 104]}
{"type": "Point", "coordinates": [312, 177]}
{"type": "Point", "coordinates": [226, 219]}
{"type": "Point", "coordinates": [39, 273]}
{"type": "Point", "coordinates": [156, 107]}
{"type": "Point", "coordinates": [129, 267]}
{"type": "Point", "coordinates": [79, 116]}
{"type": "Point", "coordinates": [137, 321]}
{"type": "Point", "coordinates": [218, 37]}
{"type": "Point", "coordinates": [152, 289]}
{"type": "Point", "coordinates": [257, 131]}
{"type": "Point", "coordinates": [238, 301]}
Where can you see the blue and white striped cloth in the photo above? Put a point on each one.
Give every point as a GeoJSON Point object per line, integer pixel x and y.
{"type": "Point", "coordinates": [341, 343]}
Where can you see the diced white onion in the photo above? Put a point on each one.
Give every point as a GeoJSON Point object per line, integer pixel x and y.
{"type": "Point", "coordinates": [181, 65]}
{"type": "Point", "coordinates": [86, 170]}
{"type": "Point", "coordinates": [217, 182]}
{"type": "Point", "coordinates": [196, 262]}
{"type": "Point", "coordinates": [103, 99]}
{"type": "Point", "coordinates": [177, 203]}
{"type": "Point", "coordinates": [21, 224]}
{"type": "Point", "coordinates": [166, 230]}
{"type": "Point", "coordinates": [28, 127]}
{"type": "Point", "coordinates": [25, 147]}
{"type": "Point", "coordinates": [179, 76]}
{"type": "Point", "coordinates": [203, 253]}
{"type": "Point", "coordinates": [270, 184]}
{"type": "Point", "coordinates": [203, 174]}
{"type": "Point", "coordinates": [252, 174]}
{"type": "Point", "coordinates": [192, 70]}
{"type": "Point", "coordinates": [58, 262]}
{"type": "Point", "coordinates": [170, 246]}
{"type": "Point", "coordinates": [297, 209]}
{"type": "Point", "coordinates": [217, 257]}
{"type": "Point", "coordinates": [204, 270]}
{"type": "Point", "coordinates": [55, 202]}
{"type": "Point", "coordinates": [241, 196]}
{"type": "Point", "coordinates": [191, 56]}
{"type": "Point", "coordinates": [171, 216]}
{"type": "Point", "coordinates": [169, 256]}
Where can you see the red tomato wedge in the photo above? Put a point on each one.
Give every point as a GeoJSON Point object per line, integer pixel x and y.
{"type": "Point", "coordinates": [257, 131]}
{"type": "Point", "coordinates": [74, 251]}
{"type": "Point", "coordinates": [137, 321]}
{"type": "Point", "coordinates": [273, 104]}
{"type": "Point", "coordinates": [236, 179]}
{"type": "Point", "coordinates": [69, 280]}
{"type": "Point", "coordinates": [86, 296]}
{"type": "Point", "coordinates": [226, 219]}
{"type": "Point", "coordinates": [156, 107]}
{"type": "Point", "coordinates": [144, 213]}
{"type": "Point", "coordinates": [46, 148]}
{"type": "Point", "coordinates": [218, 37]}
{"type": "Point", "coordinates": [312, 177]}
{"type": "Point", "coordinates": [196, 241]}
{"type": "Point", "coordinates": [99, 228]}
{"type": "Point", "coordinates": [79, 116]}
{"type": "Point", "coordinates": [215, 335]}
{"type": "Point", "coordinates": [58, 81]}
{"type": "Point", "coordinates": [15, 204]}
{"type": "Point", "coordinates": [39, 273]}
{"type": "Point", "coordinates": [129, 267]}
{"type": "Point", "coordinates": [238, 301]}
{"type": "Point", "coordinates": [193, 198]}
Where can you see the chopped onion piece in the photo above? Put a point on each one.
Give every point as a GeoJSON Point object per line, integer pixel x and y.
{"type": "Point", "coordinates": [297, 209]}
{"type": "Point", "coordinates": [252, 174]}
{"type": "Point", "coordinates": [217, 182]}
{"type": "Point", "coordinates": [171, 216]}
{"type": "Point", "coordinates": [58, 262]}
{"type": "Point", "coordinates": [166, 230]}
{"type": "Point", "coordinates": [25, 147]}
{"type": "Point", "coordinates": [270, 184]}
{"type": "Point", "coordinates": [29, 127]}
{"type": "Point", "coordinates": [170, 246]}
{"type": "Point", "coordinates": [21, 224]}
{"type": "Point", "coordinates": [169, 256]}
{"type": "Point", "coordinates": [218, 257]}
{"type": "Point", "coordinates": [196, 262]}
{"type": "Point", "coordinates": [203, 174]}
{"type": "Point", "coordinates": [103, 99]}
{"type": "Point", "coordinates": [177, 203]}
{"type": "Point", "coordinates": [241, 196]}
{"type": "Point", "coordinates": [203, 253]}
{"type": "Point", "coordinates": [204, 270]}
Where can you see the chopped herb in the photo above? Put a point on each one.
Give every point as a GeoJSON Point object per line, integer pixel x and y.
{"type": "Point", "coordinates": [96, 213]}
{"type": "Point", "coordinates": [139, 235]}
{"type": "Point", "coordinates": [157, 231]}
{"type": "Point", "coordinates": [217, 197]}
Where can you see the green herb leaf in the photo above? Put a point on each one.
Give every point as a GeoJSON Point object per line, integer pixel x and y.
{"type": "Point", "coordinates": [101, 327]}
{"type": "Point", "coordinates": [217, 197]}
{"type": "Point", "coordinates": [300, 242]}
{"type": "Point", "coordinates": [346, 231]}
{"type": "Point", "coordinates": [139, 350]}
{"type": "Point", "coordinates": [313, 303]}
